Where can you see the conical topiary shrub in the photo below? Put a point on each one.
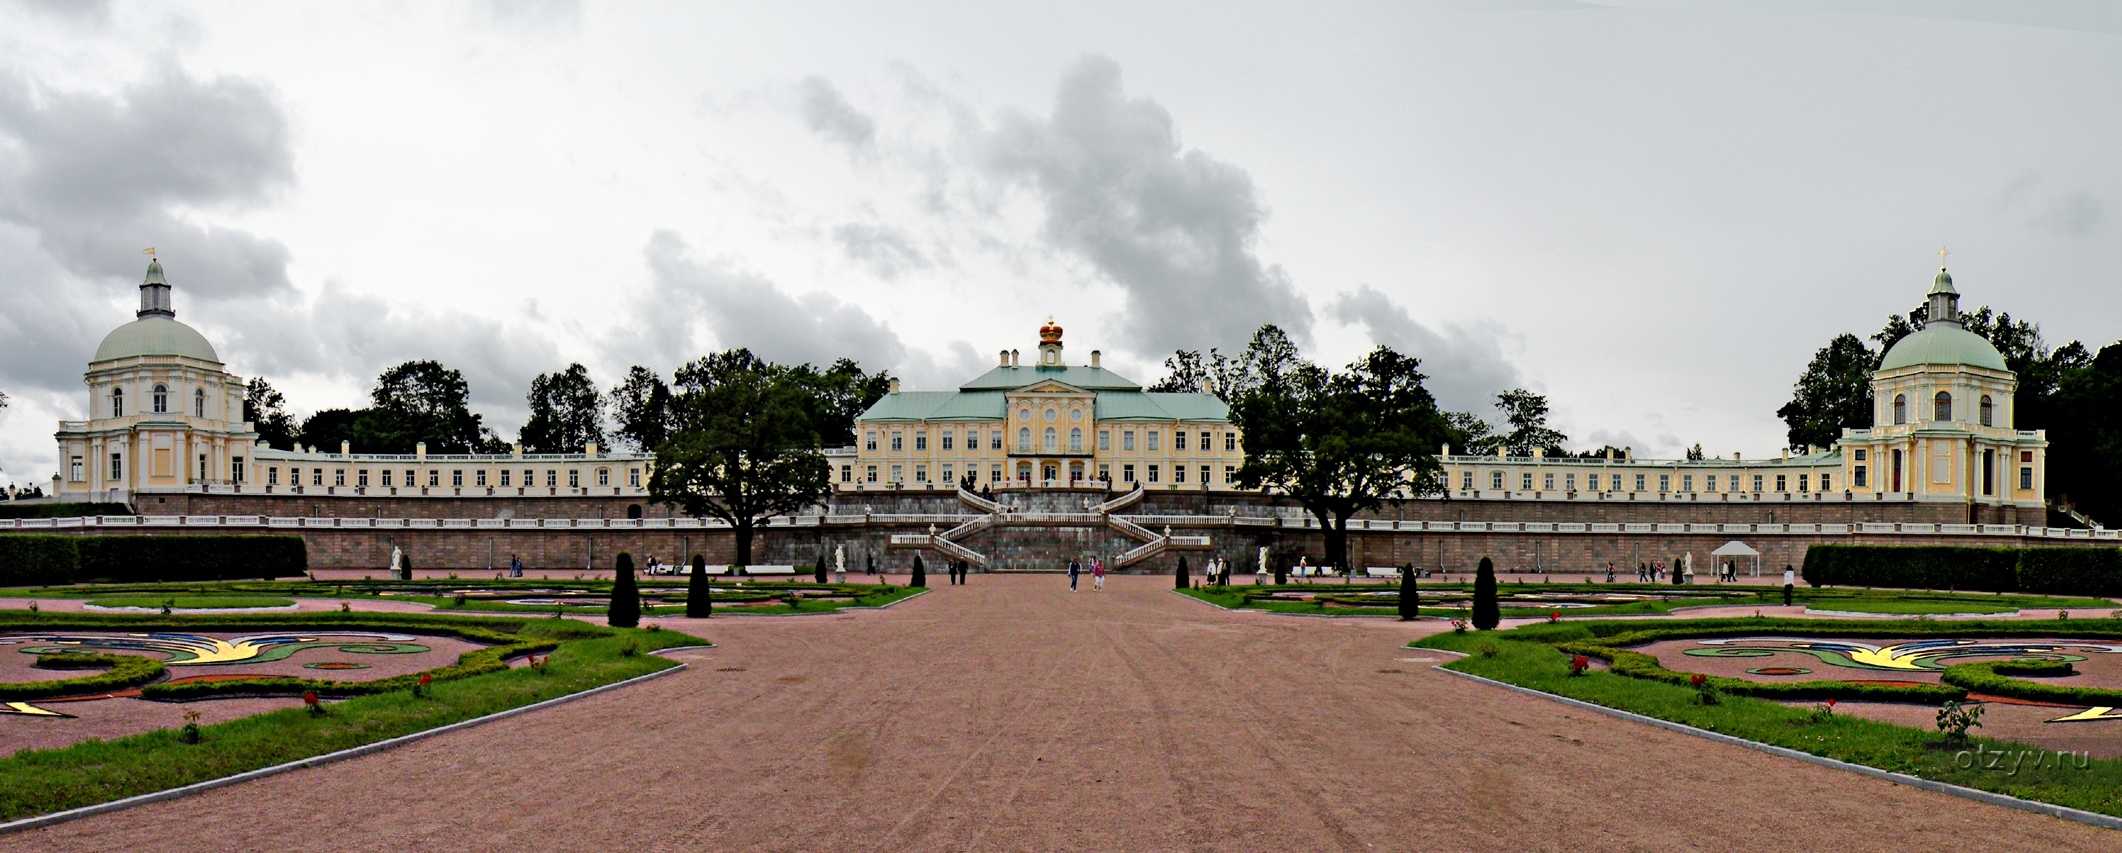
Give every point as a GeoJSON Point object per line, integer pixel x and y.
{"type": "Point", "coordinates": [920, 574]}
{"type": "Point", "coordinates": [697, 603]}
{"type": "Point", "coordinates": [821, 567]}
{"type": "Point", "coordinates": [1486, 614]}
{"type": "Point", "coordinates": [1179, 580]}
{"type": "Point", "coordinates": [1410, 600]}
{"type": "Point", "coordinates": [625, 609]}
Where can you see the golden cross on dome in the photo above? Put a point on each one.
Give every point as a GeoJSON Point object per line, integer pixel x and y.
{"type": "Point", "coordinates": [1941, 257]}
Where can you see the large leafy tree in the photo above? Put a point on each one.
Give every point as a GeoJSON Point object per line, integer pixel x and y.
{"type": "Point", "coordinates": [2085, 439]}
{"type": "Point", "coordinates": [743, 446]}
{"type": "Point", "coordinates": [838, 395]}
{"type": "Point", "coordinates": [641, 406]}
{"type": "Point", "coordinates": [1339, 443]}
{"type": "Point", "coordinates": [566, 413]}
{"type": "Point", "coordinates": [423, 401]}
{"type": "Point", "coordinates": [1525, 414]}
{"type": "Point", "coordinates": [327, 427]}
{"type": "Point", "coordinates": [266, 410]}
{"type": "Point", "coordinates": [1269, 353]}
{"type": "Point", "coordinates": [1834, 392]}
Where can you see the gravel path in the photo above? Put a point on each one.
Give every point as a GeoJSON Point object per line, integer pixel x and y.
{"type": "Point", "coordinates": [1013, 715]}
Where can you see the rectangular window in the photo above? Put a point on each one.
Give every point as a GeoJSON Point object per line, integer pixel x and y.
{"type": "Point", "coordinates": [1687, 482]}
{"type": "Point", "coordinates": [1105, 439]}
{"type": "Point", "coordinates": [1495, 480]}
{"type": "Point", "coordinates": [920, 473]}
{"type": "Point", "coordinates": [1569, 482]}
{"type": "Point", "coordinates": [1179, 440]}
{"type": "Point", "coordinates": [1547, 482]}
{"type": "Point", "coordinates": [920, 441]}
{"type": "Point", "coordinates": [574, 479]}
{"type": "Point", "coordinates": [898, 473]}
{"type": "Point", "coordinates": [412, 478]}
{"type": "Point", "coordinates": [1709, 483]}
{"type": "Point", "coordinates": [236, 471]}
{"type": "Point", "coordinates": [1230, 474]}
{"type": "Point", "coordinates": [994, 440]}
{"type": "Point", "coordinates": [1823, 484]}
{"type": "Point", "coordinates": [338, 476]}
{"type": "Point", "coordinates": [1230, 441]}
{"type": "Point", "coordinates": [1127, 473]}
{"type": "Point", "coordinates": [947, 441]}
{"type": "Point", "coordinates": [1757, 483]}
{"type": "Point", "coordinates": [847, 474]}
{"type": "Point", "coordinates": [272, 474]}
{"type": "Point", "coordinates": [479, 478]}
{"type": "Point", "coordinates": [506, 479]}
{"type": "Point", "coordinates": [1204, 445]}
{"type": "Point", "coordinates": [1860, 454]}
{"type": "Point", "coordinates": [316, 476]}
{"type": "Point", "coordinates": [1734, 483]}
{"type": "Point", "coordinates": [1105, 473]}
{"type": "Point", "coordinates": [994, 472]}
{"type": "Point", "coordinates": [1782, 484]}
{"type": "Point", "coordinates": [898, 441]}
{"type": "Point", "coordinates": [552, 479]}
{"type": "Point", "coordinates": [1805, 482]}
{"type": "Point", "coordinates": [1525, 482]}
{"type": "Point", "coordinates": [1857, 475]}
{"type": "Point", "coordinates": [361, 478]}
{"type": "Point", "coordinates": [1639, 482]}
{"type": "Point", "coordinates": [1153, 468]}
{"type": "Point", "coordinates": [869, 441]}
{"type": "Point", "coordinates": [1179, 471]}
{"type": "Point", "coordinates": [1665, 482]}
{"type": "Point", "coordinates": [386, 478]}
{"type": "Point", "coordinates": [456, 478]}
{"type": "Point", "coordinates": [2026, 475]}
{"type": "Point", "coordinates": [74, 471]}
{"type": "Point", "coordinates": [869, 473]}
{"type": "Point", "coordinates": [633, 478]}
{"type": "Point", "coordinates": [1466, 480]}
{"type": "Point", "coordinates": [1127, 439]}
{"type": "Point", "coordinates": [1591, 482]}
{"type": "Point", "coordinates": [2026, 456]}
{"type": "Point", "coordinates": [117, 466]}
{"type": "Point", "coordinates": [1151, 437]}
{"type": "Point", "coordinates": [1204, 475]}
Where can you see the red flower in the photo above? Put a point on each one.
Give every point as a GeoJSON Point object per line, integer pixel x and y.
{"type": "Point", "coordinates": [1578, 664]}
{"type": "Point", "coordinates": [1697, 679]}
{"type": "Point", "coordinates": [425, 678]}
{"type": "Point", "coordinates": [1830, 701]}
{"type": "Point", "coordinates": [1555, 616]}
{"type": "Point", "coordinates": [310, 699]}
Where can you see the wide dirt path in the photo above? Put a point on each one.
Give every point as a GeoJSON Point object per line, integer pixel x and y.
{"type": "Point", "coordinates": [1013, 715]}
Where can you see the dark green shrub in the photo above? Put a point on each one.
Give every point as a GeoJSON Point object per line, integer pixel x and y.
{"type": "Point", "coordinates": [920, 578]}
{"type": "Point", "coordinates": [47, 559]}
{"type": "Point", "coordinates": [2071, 571]}
{"type": "Point", "coordinates": [61, 510]}
{"type": "Point", "coordinates": [30, 559]}
{"type": "Point", "coordinates": [819, 574]}
{"type": "Point", "coordinates": [1986, 677]}
{"type": "Point", "coordinates": [1179, 575]}
{"type": "Point", "coordinates": [625, 608]}
{"type": "Point", "coordinates": [1410, 600]}
{"type": "Point", "coordinates": [1486, 613]}
{"type": "Point", "coordinates": [1914, 567]}
{"type": "Point", "coordinates": [697, 603]}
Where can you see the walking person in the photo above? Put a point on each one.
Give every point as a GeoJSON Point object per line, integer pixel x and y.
{"type": "Point", "coordinates": [1097, 575]}
{"type": "Point", "coordinates": [515, 566]}
{"type": "Point", "coordinates": [1074, 569]}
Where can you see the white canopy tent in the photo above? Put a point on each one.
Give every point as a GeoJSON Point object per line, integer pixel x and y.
{"type": "Point", "coordinates": [1736, 548]}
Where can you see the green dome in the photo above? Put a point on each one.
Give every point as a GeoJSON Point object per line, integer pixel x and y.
{"type": "Point", "coordinates": [155, 335]}
{"type": "Point", "coordinates": [1942, 343]}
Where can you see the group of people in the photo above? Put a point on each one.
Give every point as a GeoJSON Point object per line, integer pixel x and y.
{"type": "Point", "coordinates": [1216, 572]}
{"type": "Point", "coordinates": [1097, 574]}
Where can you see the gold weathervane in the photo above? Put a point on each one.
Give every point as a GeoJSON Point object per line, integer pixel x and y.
{"type": "Point", "coordinates": [149, 251]}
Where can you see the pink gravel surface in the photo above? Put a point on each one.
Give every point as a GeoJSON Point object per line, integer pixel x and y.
{"type": "Point", "coordinates": [1011, 714]}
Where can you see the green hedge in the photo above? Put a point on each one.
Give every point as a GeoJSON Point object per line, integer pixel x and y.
{"type": "Point", "coordinates": [29, 559]}
{"type": "Point", "coordinates": [2090, 571]}
{"type": "Point", "coordinates": [1987, 677]}
{"type": "Point", "coordinates": [64, 510]}
{"type": "Point", "coordinates": [125, 671]}
{"type": "Point", "coordinates": [1913, 567]}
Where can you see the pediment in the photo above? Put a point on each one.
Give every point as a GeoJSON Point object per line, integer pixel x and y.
{"type": "Point", "coordinates": [1049, 386]}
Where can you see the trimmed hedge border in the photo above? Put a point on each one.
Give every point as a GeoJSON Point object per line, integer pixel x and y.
{"type": "Point", "coordinates": [34, 559]}
{"type": "Point", "coordinates": [508, 638]}
{"type": "Point", "coordinates": [124, 671]}
{"type": "Point", "coordinates": [2053, 571]}
{"type": "Point", "coordinates": [1989, 677]}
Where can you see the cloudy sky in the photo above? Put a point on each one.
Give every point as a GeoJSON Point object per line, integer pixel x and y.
{"type": "Point", "coordinates": [1651, 211]}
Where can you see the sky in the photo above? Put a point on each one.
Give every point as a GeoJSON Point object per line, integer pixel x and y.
{"type": "Point", "coordinates": [1653, 212]}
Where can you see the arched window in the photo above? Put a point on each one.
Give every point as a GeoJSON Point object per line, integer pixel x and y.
{"type": "Point", "coordinates": [117, 402]}
{"type": "Point", "coordinates": [1988, 411]}
{"type": "Point", "coordinates": [1900, 408]}
{"type": "Point", "coordinates": [1942, 407]}
{"type": "Point", "coordinates": [1052, 441]}
{"type": "Point", "coordinates": [199, 403]}
{"type": "Point", "coordinates": [161, 399]}
{"type": "Point", "coordinates": [1075, 441]}
{"type": "Point", "coordinates": [1024, 440]}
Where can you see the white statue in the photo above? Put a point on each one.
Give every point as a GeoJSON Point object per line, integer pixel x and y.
{"type": "Point", "coordinates": [397, 559]}
{"type": "Point", "coordinates": [840, 564]}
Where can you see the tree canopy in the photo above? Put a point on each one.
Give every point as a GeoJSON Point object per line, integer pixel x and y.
{"type": "Point", "coordinates": [1834, 392]}
{"type": "Point", "coordinates": [1338, 443]}
{"type": "Point", "coordinates": [266, 410]}
{"type": "Point", "coordinates": [415, 402]}
{"type": "Point", "coordinates": [641, 409]}
{"type": "Point", "coordinates": [566, 413]}
{"type": "Point", "coordinates": [743, 444]}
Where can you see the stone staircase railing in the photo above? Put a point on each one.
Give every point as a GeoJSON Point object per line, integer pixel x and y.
{"type": "Point", "coordinates": [977, 502]}
{"type": "Point", "coordinates": [1122, 502]}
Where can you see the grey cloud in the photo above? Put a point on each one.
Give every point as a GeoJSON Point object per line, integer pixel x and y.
{"type": "Point", "coordinates": [1465, 364]}
{"type": "Point", "coordinates": [1173, 227]}
{"type": "Point", "coordinates": [886, 251]}
{"type": "Point", "coordinates": [86, 12]}
{"type": "Point", "coordinates": [100, 177]}
{"type": "Point", "coordinates": [739, 308]}
{"type": "Point", "coordinates": [531, 16]}
{"type": "Point", "coordinates": [829, 114]}
{"type": "Point", "coordinates": [2070, 215]}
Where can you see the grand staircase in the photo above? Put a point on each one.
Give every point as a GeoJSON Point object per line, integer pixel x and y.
{"type": "Point", "coordinates": [995, 514]}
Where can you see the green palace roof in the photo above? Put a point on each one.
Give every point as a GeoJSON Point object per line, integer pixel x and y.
{"type": "Point", "coordinates": [1117, 398]}
{"type": "Point", "coordinates": [1086, 378]}
{"type": "Point", "coordinates": [155, 336]}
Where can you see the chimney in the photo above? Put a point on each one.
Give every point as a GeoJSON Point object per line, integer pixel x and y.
{"type": "Point", "coordinates": [516, 450]}
{"type": "Point", "coordinates": [1609, 453]}
{"type": "Point", "coordinates": [1094, 358]}
{"type": "Point", "coordinates": [1013, 358]}
{"type": "Point", "coordinates": [1445, 450]}
{"type": "Point", "coordinates": [1735, 457]}
{"type": "Point", "coordinates": [1539, 452]}
{"type": "Point", "coordinates": [1207, 387]}
{"type": "Point", "coordinates": [590, 450]}
{"type": "Point", "coordinates": [1786, 453]}
{"type": "Point", "coordinates": [895, 385]}
{"type": "Point", "coordinates": [1005, 359]}
{"type": "Point", "coordinates": [346, 448]}
{"type": "Point", "coordinates": [420, 450]}
{"type": "Point", "coordinates": [1628, 453]}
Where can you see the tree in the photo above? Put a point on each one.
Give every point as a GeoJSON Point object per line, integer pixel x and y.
{"type": "Point", "coordinates": [2085, 439]}
{"type": "Point", "coordinates": [415, 402]}
{"type": "Point", "coordinates": [1525, 413]}
{"type": "Point", "coordinates": [1180, 578]}
{"type": "Point", "coordinates": [1339, 444]}
{"type": "Point", "coordinates": [327, 427]}
{"type": "Point", "coordinates": [819, 574]}
{"type": "Point", "coordinates": [1410, 599]}
{"type": "Point", "coordinates": [1486, 613]}
{"type": "Point", "coordinates": [920, 578]}
{"type": "Point", "coordinates": [566, 413]}
{"type": "Point", "coordinates": [1694, 454]}
{"type": "Point", "coordinates": [625, 608]}
{"type": "Point", "coordinates": [699, 595]}
{"type": "Point", "coordinates": [1470, 434]}
{"type": "Point", "coordinates": [641, 408]}
{"type": "Point", "coordinates": [838, 395]}
{"type": "Point", "coordinates": [1833, 394]}
{"type": "Point", "coordinates": [742, 449]}
{"type": "Point", "coordinates": [266, 410]}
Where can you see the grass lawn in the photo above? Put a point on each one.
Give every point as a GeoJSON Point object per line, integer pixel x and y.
{"type": "Point", "coordinates": [190, 602]}
{"type": "Point", "coordinates": [41, 781]}
{"type": "Point", "coordinates": [1449, 600]}
{"type": "Point", "coordinates": [1915, 608]}
{"type": "Point", "coordinates": [1521, 658]}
